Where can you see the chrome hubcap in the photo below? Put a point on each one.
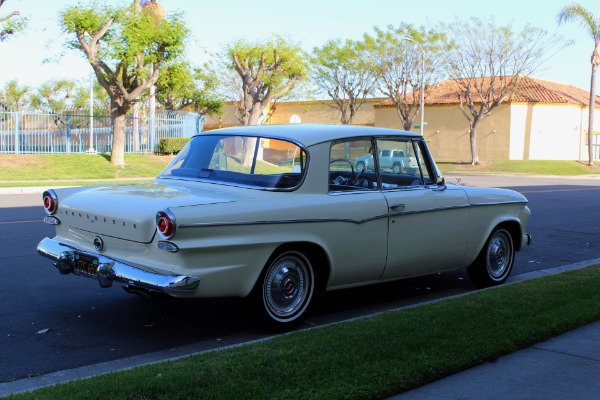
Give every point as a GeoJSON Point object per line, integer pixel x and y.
{"type": "Point", "coordinates": [287, 286]}
{"type": "Point", "coordinates": [499, 255]}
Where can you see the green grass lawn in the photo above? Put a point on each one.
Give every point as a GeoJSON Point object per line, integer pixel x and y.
{"type": "Point", "coordinates": [533, 167]}
{"type": "Point", "coordinates": [26, 167]}
{"type": "Point", "coordinates": [374, 357]}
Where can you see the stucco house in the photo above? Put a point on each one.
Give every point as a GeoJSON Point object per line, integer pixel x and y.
{"type": "Point", "coordinates": [544, 120]}
{"type": "Point", "coordinates": [308, 112]}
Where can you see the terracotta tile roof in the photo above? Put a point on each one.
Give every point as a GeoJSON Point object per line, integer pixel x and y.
{"type": "Point", "coordinates": [532, 90]}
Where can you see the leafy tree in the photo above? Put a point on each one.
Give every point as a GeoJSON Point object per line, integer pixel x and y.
{"type": "Point", "coordinates": [341, 69]}
{"type": "Point", "coordinates": [268, 71]}
{"type": "Point", "coordinates": [54, 94]}
{"type": "Point", "coordinates": [577, 13]}
{"type": "Point", "coordinates": [14, 96]}
{"type": "Point", "coordinates": [398, 55]}
{"type": "Point", "coordinates": [11, 24]}
{"type": "Point", "coordinates": [488, 62]}
{"type": "Point", "coordinates": [179, 86]}
{"type": "Point", "coordinates": [81, 97]}
{"type": "Point", "coordinates": [126, 47]}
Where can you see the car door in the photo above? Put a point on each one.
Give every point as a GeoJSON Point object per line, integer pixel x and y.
{"type": "Point", "coordinates": [428, 224]}
{"type": "Point", "coordinates": [357, 234]}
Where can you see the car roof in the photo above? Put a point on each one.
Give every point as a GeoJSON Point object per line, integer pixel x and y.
{"type": "Point", "coordinates": [310, 134]}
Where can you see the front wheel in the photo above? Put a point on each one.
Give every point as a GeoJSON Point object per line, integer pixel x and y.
{"type": "Point", "coordinates": [494, 263]}
{"type": "Point", "coordinates": [285, 290]}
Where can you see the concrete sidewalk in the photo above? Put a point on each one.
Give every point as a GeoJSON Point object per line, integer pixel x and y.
{"type": "Point", "coordinates": [565, 367]}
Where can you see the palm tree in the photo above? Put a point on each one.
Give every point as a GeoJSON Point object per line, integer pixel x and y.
{"type": "Point", "coordinates": [577, 13]}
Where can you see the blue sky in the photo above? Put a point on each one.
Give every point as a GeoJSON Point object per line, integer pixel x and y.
{"type": "Point", "coordinates": [311, 22]}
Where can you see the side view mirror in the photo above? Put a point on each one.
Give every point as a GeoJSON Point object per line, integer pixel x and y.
{"type": "Point", "coordinates": [441, 183]}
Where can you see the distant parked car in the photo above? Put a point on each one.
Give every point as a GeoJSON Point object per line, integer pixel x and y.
{"type": "Point", "coordinates": [279, 214]}
{"type": "Point", "coordinates": [395, 160]}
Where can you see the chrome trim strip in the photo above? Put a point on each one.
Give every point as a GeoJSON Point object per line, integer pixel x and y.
{"type": "Point", "coordinates": [461, 206]}
{"type": "Point", "coordinates": [500, 203]}
{"type": "Point", "coordinates": [354, 221]}
{"type": "Point", "coordinates": [283, 221]}
{"type": "Point", "coordinates": [110, 271]}
{"type": "Point", "coordinates": [432, 210]}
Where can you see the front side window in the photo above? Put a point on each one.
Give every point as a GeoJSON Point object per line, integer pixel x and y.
{"type": "Point", "coordinates": [402, 164]}
{"type": "Point", "coordinates": [352, 166]}
{"type": "Point", "coordinates": [240, 160]}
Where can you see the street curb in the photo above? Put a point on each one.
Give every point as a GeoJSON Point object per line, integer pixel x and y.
{"type": "Point", "coordinates": [23, 190]}
{"type": "Point", "coordinates": [59, 377]}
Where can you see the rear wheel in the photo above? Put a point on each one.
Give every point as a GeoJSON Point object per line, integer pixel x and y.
{"type": "Point", "coordinates": [285, 290]}
{"type": "Point", "coordinates": [494, 263]}
{"type": "Point", "coordinates": [396, 168]}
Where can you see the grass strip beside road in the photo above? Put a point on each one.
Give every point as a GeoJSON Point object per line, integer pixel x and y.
{"type": "Point", "coordinates": [374, 357]}
{"type": "Point", "coordinates": [77, 167]}
{"type": "Point", "coordinates": [526, 167]}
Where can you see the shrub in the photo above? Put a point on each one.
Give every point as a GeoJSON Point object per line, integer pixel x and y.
{"type": "Point", "coordinates": [171, 145]}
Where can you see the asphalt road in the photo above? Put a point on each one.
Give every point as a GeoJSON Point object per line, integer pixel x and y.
{"type": "Point", "coordinates": [50, 322]}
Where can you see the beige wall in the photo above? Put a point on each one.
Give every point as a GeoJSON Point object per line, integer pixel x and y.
{"type": "Point", "coordinates": [447, 132]}
{"type": "Point", "coordinates": [227, 119]}
{"type": "Point", "coordinates": [319, 112]}
{"type": "Point", "coordinates": [546, 131]}
{"type": "Point", "coordinates": [518, 131]}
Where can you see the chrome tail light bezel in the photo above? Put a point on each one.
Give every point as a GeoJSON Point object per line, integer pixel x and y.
{"type": "Point", "coordinates": [50, 201]}
{"type": "Point", "coordinates": [166, 224]}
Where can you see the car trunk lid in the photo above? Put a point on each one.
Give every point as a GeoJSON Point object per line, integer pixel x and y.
{"type": "Point", "coordinates": [128, 211]}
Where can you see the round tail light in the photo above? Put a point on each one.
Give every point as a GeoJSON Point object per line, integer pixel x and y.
{"type": "Point", "coordinates": [50, 201]}
{"type": "Point", "coordinates": [165, 224]}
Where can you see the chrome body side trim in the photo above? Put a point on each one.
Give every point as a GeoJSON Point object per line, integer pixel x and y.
{"type": "Point", "coordinates": [283, 221]}
{"type": "Point", "coordinates": [499, 203]}
{"type": "Point", "coordinates": [354, 221]}
{"type": "Point", "coordinates": [110, 271]}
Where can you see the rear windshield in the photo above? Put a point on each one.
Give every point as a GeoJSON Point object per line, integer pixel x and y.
{"type": "Point", "coordinates": [257, 162]}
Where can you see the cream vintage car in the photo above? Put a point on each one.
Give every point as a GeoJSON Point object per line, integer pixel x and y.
{"type": "Point", "coordinates": [279, 214]}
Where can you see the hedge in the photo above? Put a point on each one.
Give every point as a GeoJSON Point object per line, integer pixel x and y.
{"type": "Point", "coordinates": [171, 145]}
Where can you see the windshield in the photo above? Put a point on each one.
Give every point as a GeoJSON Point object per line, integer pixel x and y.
{"type": "Point", "coordinates": [240, 160]}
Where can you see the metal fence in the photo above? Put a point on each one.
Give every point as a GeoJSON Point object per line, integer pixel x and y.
{"type": "Point", "coordinates": [81, 131]}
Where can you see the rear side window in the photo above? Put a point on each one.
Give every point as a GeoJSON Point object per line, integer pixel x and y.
{"type": "Point", "coordinates": [240, 160]}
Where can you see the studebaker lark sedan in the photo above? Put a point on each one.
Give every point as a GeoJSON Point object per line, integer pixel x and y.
{"type": "Point", "coordinates": [278, 215]}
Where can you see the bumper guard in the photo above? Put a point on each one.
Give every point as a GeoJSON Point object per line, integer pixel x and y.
{"type": "Point", "coordinates": [110, 270]}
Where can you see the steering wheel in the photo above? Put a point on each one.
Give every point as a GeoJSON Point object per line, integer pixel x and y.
{"type": "Point", "coordinates": [352, 177]}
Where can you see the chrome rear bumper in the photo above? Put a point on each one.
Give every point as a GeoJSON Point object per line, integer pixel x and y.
{"type": "Point", "coordinates": [110, 271]}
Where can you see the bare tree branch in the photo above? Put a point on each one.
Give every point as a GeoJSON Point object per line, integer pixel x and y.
{"type": "Point", "coordinates": [487, 64]}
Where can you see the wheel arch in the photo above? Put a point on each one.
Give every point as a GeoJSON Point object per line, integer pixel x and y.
{"type": "Point", "coordinates": [267, 310]}
{"type": "Point", "coordinates": [514, 228]}
{"type": "Point", "coordinates": [492, 266]}
{"type": "Point", "coordinates": [479, 241]}
{"type": "Point", "coordinates": [316, 255]}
